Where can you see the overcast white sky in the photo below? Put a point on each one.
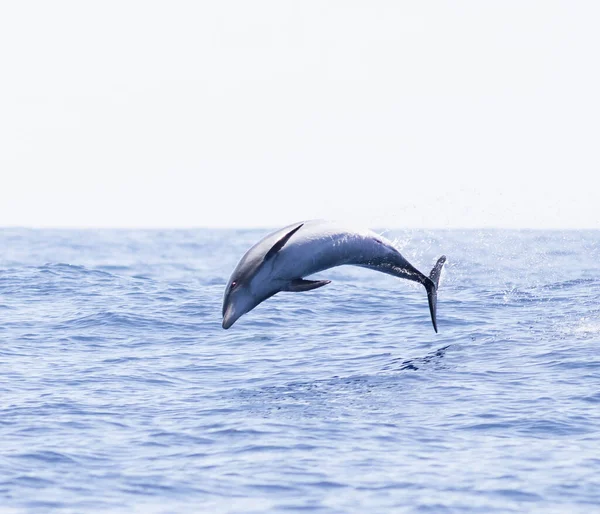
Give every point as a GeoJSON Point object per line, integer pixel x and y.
{"type": "Point", "coordinates": [239, 113]}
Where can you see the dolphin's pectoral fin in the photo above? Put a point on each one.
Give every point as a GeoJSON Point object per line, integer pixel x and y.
{"type": "Point", "coordinates": [281, 243]}
{"type": "Point", "coordinates": [298, 285]}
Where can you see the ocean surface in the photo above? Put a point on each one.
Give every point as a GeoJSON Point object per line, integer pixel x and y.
{"type": "Point", "coordinates": [120, 391]}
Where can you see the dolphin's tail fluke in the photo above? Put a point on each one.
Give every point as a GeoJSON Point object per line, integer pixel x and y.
{"type": "Point", "coordinates": [431, 284]}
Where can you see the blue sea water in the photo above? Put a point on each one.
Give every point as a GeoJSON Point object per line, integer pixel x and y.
{"type": "Point", "coordinates": [120, 391]}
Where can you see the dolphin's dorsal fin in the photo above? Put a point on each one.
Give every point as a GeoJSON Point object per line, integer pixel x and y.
{"type": "Point", "coordinates": [298, 285]}
{"type": "Point", "coordinates": [281, 243]}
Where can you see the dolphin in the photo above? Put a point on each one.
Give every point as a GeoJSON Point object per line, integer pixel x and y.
{"type": "Point", "coordinates": [281, 260]}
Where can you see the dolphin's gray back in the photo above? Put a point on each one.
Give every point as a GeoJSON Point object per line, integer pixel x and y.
{"type": "Point", "coordinates": [321, 245]}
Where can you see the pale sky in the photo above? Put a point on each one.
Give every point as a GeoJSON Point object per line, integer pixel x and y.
{"type": "Point", "coordinates": [260, 113]}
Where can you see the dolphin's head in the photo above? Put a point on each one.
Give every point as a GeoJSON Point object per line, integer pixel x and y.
{"type": "Point", "coordinates": [238, 300]}
{"type": "Point", "coordinates": [248, 286]}
{"type": "Point", "coordinates": [254, 279]}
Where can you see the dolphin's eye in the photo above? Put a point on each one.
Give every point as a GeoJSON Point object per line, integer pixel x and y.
{"type": "Point", "coordinates": [233, 284]}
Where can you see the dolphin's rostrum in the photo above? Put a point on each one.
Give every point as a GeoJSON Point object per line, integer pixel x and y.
{"type": "Point", "coordinates": [281, 260]}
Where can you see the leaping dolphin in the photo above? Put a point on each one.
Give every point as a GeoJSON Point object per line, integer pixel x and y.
{"type": "Point", "coordinates": [281, 260]}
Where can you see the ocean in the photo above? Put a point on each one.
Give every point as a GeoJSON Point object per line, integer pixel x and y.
{"type": "Point", "coordinates": [120, 391]}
